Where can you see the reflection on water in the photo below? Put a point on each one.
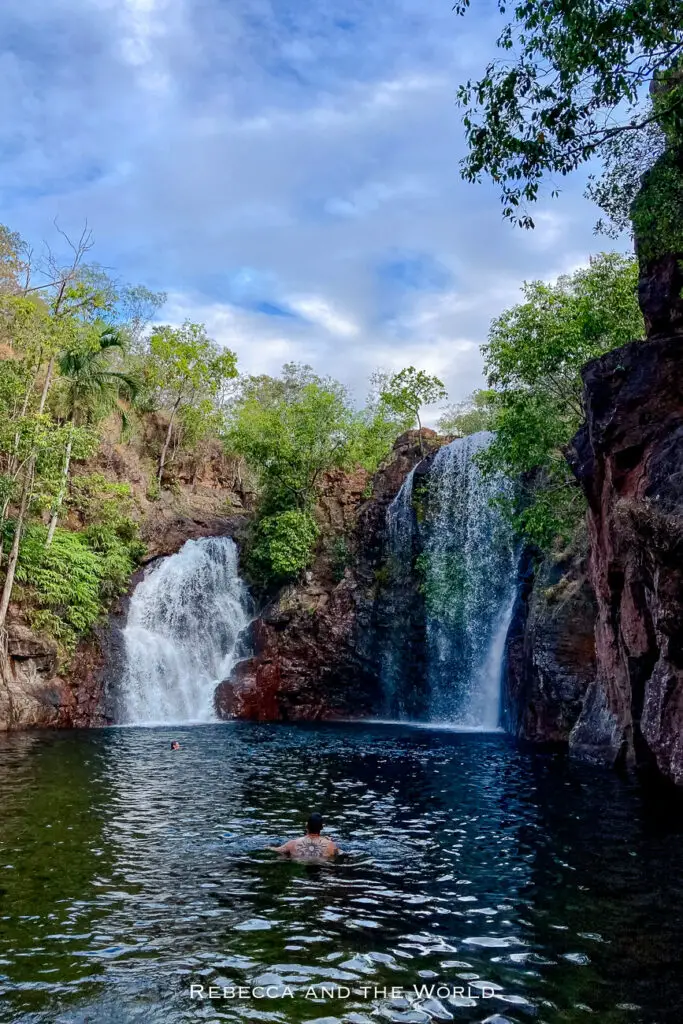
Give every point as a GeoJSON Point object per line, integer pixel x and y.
{"type": "Point", "coordinates": [129, 873]}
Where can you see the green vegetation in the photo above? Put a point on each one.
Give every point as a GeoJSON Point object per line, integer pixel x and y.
{"type": "Point", "coordinates": [292, 430]}
{"type": "Point", "coordinates": [533, 359]}
{"type": "Point", "coordinates": [186, 376]}
{"type": "Point", "coordinates": [282, 545]}
{"type": "Point", "coordinates": [67, 585]}
{"type": "Point", "coordinates": [571, 86]}
{"type": "Point", "coordinates": [473, 414]}
{"type": "Point", "coordinates": [64, 369]}
{"type": "Point", "coordinates": [87, 391]}
{"type": "Point", "coordinates": [340, 556]}
{"type": "Point", "coordinates": [657, 210]}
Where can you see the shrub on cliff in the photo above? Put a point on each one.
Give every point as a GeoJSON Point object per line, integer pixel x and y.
{"type": "Point", "coordinates": [282, 546]}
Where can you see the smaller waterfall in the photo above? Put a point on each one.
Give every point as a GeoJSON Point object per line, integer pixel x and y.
{"type": "Point", "coordinates": [398, 668]}
{"type": "Point", "coordinates": [183, 632]}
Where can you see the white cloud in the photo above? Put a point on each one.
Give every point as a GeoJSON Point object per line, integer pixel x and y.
{"type": "Point", "coordinates": [311, 143]}
{"type": "Point", "coordinates": [318, 311]}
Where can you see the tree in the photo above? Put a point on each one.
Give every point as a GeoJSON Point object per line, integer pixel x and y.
{"type": "Point", "coordinates": [377, 425]}
{"type": "Point", "coordinates": [407, 391]}
{"type": "Point", "coordinates": [89, 390]}
{"type": "Point", "coordinates": [68, 295]}
{"type": "Point", "coordinates": [291, 430]}
{"type": "Point", "coordinates": [570, 87]}
{"type": "Point", "coordinates": [473, 414]}
{"type": "Point", "coordinates": [183, 368]}
{"type": "Point", "coordinates": [533, 360]}
{"type": "Point", "coordinates": [14, 256]}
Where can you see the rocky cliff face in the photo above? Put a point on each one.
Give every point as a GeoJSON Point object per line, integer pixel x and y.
{"type": "Point", "coordinates": [550, 656]}
{"type": "Point", "coordinates": [629, 460]}
{"type": "Point", "coordinates": [315, 646]}
{"type": "Point", "coordinates": [34, 694]}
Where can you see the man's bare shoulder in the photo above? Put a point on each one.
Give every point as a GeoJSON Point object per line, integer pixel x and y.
{"type": "Point", "coordinates": [287, 848]}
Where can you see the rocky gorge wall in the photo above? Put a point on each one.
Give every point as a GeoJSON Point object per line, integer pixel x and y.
{"type": "Point", "coordinates": [628, 458]}
{"type": "Point", "coordinates": [595, 649]}
{"type": "Point", "coordinates": [550, 649]}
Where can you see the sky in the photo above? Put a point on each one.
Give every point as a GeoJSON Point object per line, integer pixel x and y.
{"type": "Point", "coordinates": [285, 170]}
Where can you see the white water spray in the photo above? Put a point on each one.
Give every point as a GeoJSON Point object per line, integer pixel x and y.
{"type": "Point", "coordinates": [466, 571]}
{"type": "Point", "coordinates": [183, 634]}
{"type": "Point", "coordinates": [469, 559]}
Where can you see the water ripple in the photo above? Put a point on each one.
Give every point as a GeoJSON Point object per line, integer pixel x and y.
{"type": "Point", "coordinates": [477, 882]}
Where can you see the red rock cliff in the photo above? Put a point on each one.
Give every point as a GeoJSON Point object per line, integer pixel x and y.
{"type": "Point", "coordinates": [629, 459]}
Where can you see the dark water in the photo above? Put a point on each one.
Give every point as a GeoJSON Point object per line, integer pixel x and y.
{"type": "Point", "coordinates": [128, 874]}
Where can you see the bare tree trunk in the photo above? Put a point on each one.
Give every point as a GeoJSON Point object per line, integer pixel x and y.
{"type": "Point", "coordinates": [23, 509]}
{"type": "Point", "coordinates": [419, 427]}
{"type": "Point", "coordinates": [14, 550]}
{"type": "Point", "coordinates": [62, 491]}
{"type": "Point", "coordinates": [164, 450]}
{"type": "Point", "coordinates": [46, 386]}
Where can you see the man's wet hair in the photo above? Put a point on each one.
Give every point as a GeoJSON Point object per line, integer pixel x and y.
{"type": "Point", "coordinates": [315, 823]}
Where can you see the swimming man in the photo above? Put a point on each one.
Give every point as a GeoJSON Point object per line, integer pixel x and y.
{"type": "Point", "coordinates": [312, 846]}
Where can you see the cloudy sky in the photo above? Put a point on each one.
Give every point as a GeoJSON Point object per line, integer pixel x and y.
{"type": "Point", "coordinates": [286, 170]}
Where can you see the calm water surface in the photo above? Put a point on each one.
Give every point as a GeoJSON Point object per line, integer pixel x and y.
{"type": "Point", "coordinates": [129, 873]}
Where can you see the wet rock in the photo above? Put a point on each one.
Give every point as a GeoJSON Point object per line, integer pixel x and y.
{"type": "Point", "coordinates": [629, 461]}
{"type": "Point", "coordinates": [164, 534]}
{"type": "Point", "coordinates": [550, 648]}
{"type": "Point", "coordinates": [33, 694]}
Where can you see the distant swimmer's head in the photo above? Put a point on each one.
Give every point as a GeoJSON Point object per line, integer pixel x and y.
{"type": "Point", "coordinates": [314, 825]}
{"type": "Point", "coordinates": [175, 745]}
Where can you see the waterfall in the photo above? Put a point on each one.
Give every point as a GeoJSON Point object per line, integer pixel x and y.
{"type": "Point", "coordinates": [398, 661]}
{"type": "Point", "coordinates": [444, 529]}
{"type": "Point", "coordinates": [183, 633]}
{"type": "Point", "coordinates": [468, 565]}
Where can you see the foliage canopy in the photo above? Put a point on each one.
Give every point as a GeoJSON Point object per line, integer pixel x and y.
{"type": "Point", "coordinates": [533, 360]}
{"type": "Point", "coordinates": [291, 430]}
{"type": "Point", "coordinates": [571, 84]}
{"type": "Point", "coordinates": [473, 414]}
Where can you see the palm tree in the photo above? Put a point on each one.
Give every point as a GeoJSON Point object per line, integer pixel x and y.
{"type": "Point", "coordinates": [90, 390]}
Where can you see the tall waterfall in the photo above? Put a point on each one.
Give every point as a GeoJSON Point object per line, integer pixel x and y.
{"type": "Point", "coordinates": [443, 526]}
{"type": "Point", "coordinates": [183, 634]}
